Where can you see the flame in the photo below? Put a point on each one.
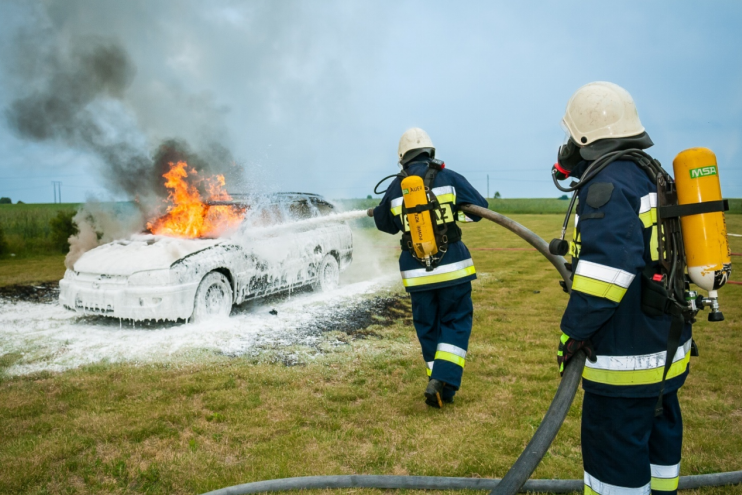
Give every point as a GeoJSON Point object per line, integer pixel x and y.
{"type": "Point", "coordinates": [187, 214]}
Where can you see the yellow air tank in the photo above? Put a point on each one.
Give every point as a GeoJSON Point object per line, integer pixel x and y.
{"type": "Point", "coordinates": [421, 226]}
{"type": "Point", "coordinates": [705, 234]}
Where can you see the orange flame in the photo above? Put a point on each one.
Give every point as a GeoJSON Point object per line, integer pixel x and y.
{"type": "Point", "coordinates": [187, 214]}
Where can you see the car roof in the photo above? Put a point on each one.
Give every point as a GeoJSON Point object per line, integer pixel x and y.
{"type": "Point", "coordinates": [246, 199]}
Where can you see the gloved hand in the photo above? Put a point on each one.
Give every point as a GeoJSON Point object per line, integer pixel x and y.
{"type": "Point", "coordinates": [370, 212]}
{"type": "Point", "coordinates": [568, 347]}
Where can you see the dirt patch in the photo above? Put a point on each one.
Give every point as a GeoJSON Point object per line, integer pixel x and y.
{"type": "Point", "coordinates": [356, 320]}
{"type": "Point", "coordinates": [45, 292]}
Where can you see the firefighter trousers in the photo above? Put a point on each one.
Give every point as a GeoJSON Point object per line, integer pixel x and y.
{"type": "Point", "coordinates": [443, 320]}
{"type": "Point", "coordinates": [626, 449]}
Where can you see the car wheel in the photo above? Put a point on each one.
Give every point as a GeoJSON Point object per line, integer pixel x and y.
{"type": "Point", "coordinates": [213, 297]}
{"type": "Point", "coordinates": [328, 274]}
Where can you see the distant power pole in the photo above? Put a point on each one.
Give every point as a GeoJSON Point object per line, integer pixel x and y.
{"type": "Point", "coordinates": [488, 185]}
{"type": "Point", "coordinates": [57, 184]}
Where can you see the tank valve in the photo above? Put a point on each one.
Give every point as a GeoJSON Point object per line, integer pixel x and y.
{"type": "Point", "coordinates": [711, 302]}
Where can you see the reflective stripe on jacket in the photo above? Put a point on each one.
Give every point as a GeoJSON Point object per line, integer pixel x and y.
{"type": "Point", "coordinates": [452, 190]}
{"type": "Point", "coordinates": [615, 237]}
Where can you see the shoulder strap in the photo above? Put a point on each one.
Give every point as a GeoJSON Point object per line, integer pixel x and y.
{"type": "Point", "coordinates": [673, 343]}
{"type": "Point", "coordinates": [434, 166]}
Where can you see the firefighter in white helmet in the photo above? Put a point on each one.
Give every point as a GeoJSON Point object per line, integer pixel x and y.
{"type": "Point", "coordinates": [631, 423]}
{"type": "Point", "coordinates": [441, 294]}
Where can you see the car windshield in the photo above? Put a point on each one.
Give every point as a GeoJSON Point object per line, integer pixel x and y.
{"type": "Point", "coordinates": [283, 207]}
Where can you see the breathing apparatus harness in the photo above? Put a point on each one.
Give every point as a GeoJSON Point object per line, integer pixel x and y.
{"type": "Point", "coordinates": [443, 233]}
{"type": "Point", "coordinates": [664, 291]}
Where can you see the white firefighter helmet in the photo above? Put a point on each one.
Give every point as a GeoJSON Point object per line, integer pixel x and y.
{"type": "Point", "coordinates": [412, 139]}
{"type": "Point", "coordinates": [601, 110]}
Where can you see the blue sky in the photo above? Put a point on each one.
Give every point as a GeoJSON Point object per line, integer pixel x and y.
{"type": "Point", "coordinates": [313, 96]}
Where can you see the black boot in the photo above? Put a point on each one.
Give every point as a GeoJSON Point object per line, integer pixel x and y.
{"type": "Point", "coordinates": [433, 393]}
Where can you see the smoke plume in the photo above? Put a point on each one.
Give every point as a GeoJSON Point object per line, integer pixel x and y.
{"type": "Point", "coordinates": [80, 100]}
{"type": "Point", "coordinates": [75, 91]}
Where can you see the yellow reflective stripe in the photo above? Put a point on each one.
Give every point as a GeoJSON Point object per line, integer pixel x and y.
{"type": "Point", "coordinates": [648, 218]}
{"type": "Point", "coordinates": [429, 371]}
{"type": "Point", "coordinates": [396, 210]}
{"type": "Point", "coordinates": [598, 288]}
{"type": "Point", "coordinates": [447, 198]}
{"type": "Point", "coordinates": [442, 277]}
{"type": "Point", "coordinates": [635, 377]}
{"type": "Point", "coordinates": [575, 244]}
{"type": "Point", "coordinates": [665, 484]}
{"type": "Point", "coordinates": [448, 356]}
{"type": "Point", "coordinates": [654, 246]}
{"type": "Point", "coordinates": [461, 217]}
{"type": "Point", "coordinates": [447, 214]}
{"type": "Point", "coordinates": [589, 491]}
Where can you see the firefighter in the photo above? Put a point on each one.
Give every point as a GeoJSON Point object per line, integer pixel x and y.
{"type": "Point", "coordinates": [441, 294]}
{"type": "Point", "coordinates": [631, 440]}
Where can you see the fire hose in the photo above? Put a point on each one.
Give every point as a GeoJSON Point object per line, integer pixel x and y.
{"type": "Point", "coordinates": [517, 478]}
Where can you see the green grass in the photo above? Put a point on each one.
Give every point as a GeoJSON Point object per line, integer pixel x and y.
{"type": "Point", "coordinates": [524, 205]}
{"type": "Point", "coordinates": [31, 270]}
{"type": "Point", "coordinates": [27, 228]}
{"type": "Point", "coordinates": [735, 206]}
{"type": "Point", "coordinates": [358, 408]}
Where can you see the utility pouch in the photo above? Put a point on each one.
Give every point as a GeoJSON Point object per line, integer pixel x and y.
{"type": "Point", "coordinates": [655, 299]}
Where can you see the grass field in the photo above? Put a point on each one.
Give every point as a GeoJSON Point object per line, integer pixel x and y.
{"type": "Point", "coordinates": [124, 428]}
{"type": "Point", "coordinates": [31, 270]}
{"type": "Point", "coordinates": [27, 227]}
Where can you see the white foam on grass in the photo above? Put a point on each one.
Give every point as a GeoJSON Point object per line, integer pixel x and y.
{"type": "Point", "coordinates": [51, 338]}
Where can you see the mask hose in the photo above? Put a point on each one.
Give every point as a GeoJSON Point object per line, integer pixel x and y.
{"type": "Point", "coordinates": [401, 175]}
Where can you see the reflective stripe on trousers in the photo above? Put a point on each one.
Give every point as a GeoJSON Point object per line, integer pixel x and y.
{"type": "Point", "coordinates": [594, 486]}
{"type": "Point", "coordinates": [443, 273]}
{"type": "Point", "coordinates": [636, 370]}
{"type": "Point", "coordinates": [665, 478]}
{"type": "Point", "coordinates": [451, 353]}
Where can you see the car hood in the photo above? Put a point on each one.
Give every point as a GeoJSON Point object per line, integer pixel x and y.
{"type": "Point", "coordinates": [139, 253]}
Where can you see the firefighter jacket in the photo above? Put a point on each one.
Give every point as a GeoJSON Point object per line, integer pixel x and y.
{"type": "Point", "coordinates": [615, 238]}
{"type": "Point", "coordinates": [452, 190]}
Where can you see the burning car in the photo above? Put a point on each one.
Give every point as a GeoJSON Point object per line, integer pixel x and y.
{"type": "Point", "coordinates": [289, 241]}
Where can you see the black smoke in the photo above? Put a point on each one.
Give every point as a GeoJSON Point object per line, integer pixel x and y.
{"type": "Point", "coordinates": [77, 97]}
{"type": "Point", "coordinates": [94, 69]}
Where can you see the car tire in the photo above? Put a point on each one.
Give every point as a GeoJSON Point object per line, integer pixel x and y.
{"type": "Point", "coordinates": [213, 298]}
{"type": "Point", "coordinates": [328, 274]}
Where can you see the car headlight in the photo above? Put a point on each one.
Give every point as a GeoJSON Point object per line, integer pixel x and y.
{"type": "Point", "coordinates": [150, 277]}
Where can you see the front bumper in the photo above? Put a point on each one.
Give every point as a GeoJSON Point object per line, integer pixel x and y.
{"type": "Point", "coordinates": [128, 302]}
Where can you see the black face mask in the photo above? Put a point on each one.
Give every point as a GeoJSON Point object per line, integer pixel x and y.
{"type": "Point", "coordinates": [567, 159]}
